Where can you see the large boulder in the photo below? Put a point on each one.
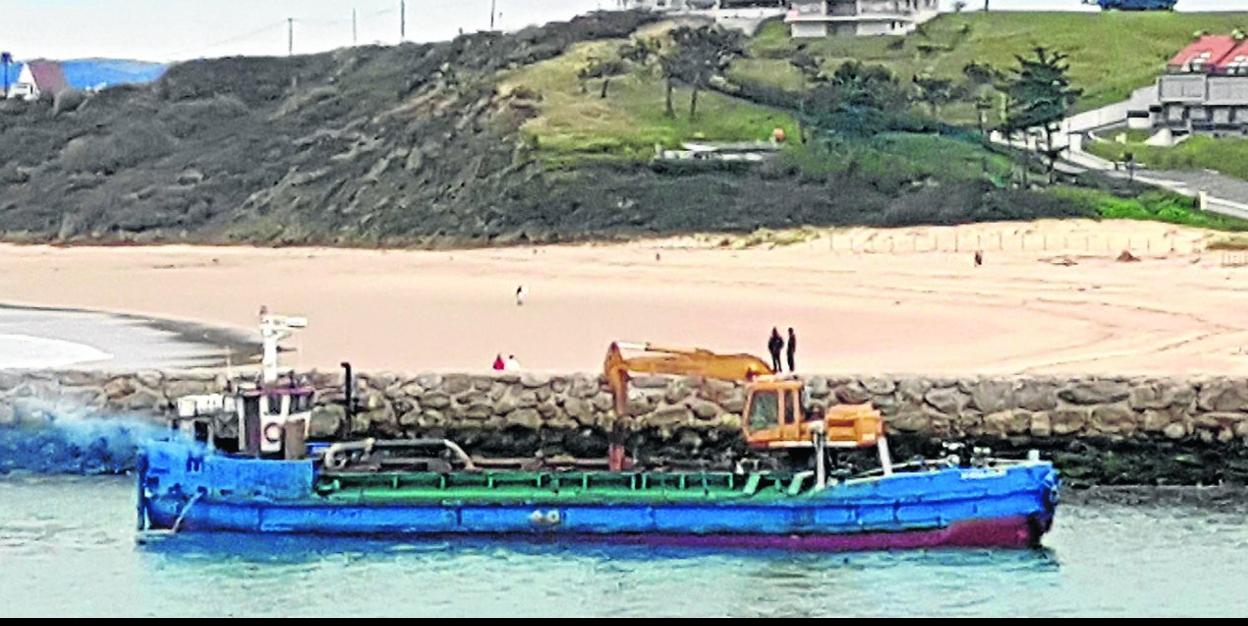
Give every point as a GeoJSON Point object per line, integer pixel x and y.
{"type": "Point", "coordinates": [1161, 394]}
{"type": "Point", "coordinates": [910, 421]}
{"type": "Point", "coordinates": [1007, 423]}
{"type": "Point", "coordinates": [879, 386]}
{"type": "Point", "coordinates": [852, 393]}
{"type": "Point", "coordinates": [948, 400]}
{"type": "Point", "coordinates": [1036, 396]}
{"type": "Point", "coordinates": [1095, 391]}
{"type": "Point", "coordinates": [1041, 425]}
{"type": "Point", "coordinates": [1114, 419]}
{"type": "Point", "coordinates": [704, 410]}
{"type": "Point", "coordinates": [1068, 421]}
{"type": "Point", "coordinates": [529, 418]}
{"type": "Point", "coordinates": [455, 384]}
{"type": "Point", "coordinates": [1223, 394]}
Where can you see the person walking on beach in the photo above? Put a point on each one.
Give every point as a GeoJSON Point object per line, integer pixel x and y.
{"type": "Point", "coordinates": [791, 350]}
{"type": "Point", "coordinates": [775, 345]}
{"type": "Point", "coordinates": [521, 295]}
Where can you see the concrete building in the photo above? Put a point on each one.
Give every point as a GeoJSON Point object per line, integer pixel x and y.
{"type": "Point", "coordinates": [856, 18]}
{"type": "Point", "coordinates": [1204, 90]}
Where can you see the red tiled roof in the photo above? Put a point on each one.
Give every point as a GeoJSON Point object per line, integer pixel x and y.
{"type": "Point", "coordinates": [1235, 61]}
{"type": "Point", "coordinates": [49, 77]}
{"type": "Point", "coordinates": [1210, 48]}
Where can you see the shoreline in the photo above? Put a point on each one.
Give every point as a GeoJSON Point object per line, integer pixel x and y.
{"type": "Point", "coordinates": [126, 341]}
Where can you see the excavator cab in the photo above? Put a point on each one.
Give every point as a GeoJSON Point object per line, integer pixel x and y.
{"type": "Point", "coordinates": [776, 417]}
{"type": "Point", "coordinates": [773, 413]}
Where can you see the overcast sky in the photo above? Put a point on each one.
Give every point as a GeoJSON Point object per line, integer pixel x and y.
{"type": "Point", "coordinates": [164, 30]}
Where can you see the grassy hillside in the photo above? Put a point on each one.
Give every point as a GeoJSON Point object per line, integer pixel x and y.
{"type": "Point", "coordinates": [1111, 53]}
{"type": "Point", "coordinates": [573, 125]}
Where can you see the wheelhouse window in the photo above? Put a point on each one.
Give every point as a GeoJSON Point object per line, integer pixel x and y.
{"type": "Point", "coordinates": [300, 403]}
{"type": "Point", "coordinates": [764, 410]}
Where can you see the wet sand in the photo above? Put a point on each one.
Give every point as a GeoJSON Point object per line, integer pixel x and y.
{"type": "Point", "coordinates": [1050, 298]}
{"type": "Point", "coordinates": [36, 338]}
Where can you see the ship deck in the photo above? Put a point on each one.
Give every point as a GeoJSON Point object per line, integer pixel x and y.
{"type": "Point", "coordinates": [561, 487]}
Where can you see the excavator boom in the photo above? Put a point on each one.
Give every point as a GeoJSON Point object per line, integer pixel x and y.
{"type": "Point", "coordinates": [667, 360]}
{"type": "Point", "coordinates": [678, 361]}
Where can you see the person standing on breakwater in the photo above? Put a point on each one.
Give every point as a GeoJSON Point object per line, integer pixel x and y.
{"type": "Point", "coordinates": [791, 350]}
{"type": "Point", "coordinates": [512, 365]}
{"type": "Point", "coordinates": [499, 364]}
{"type": "Point", "coordinates": [774, 346]}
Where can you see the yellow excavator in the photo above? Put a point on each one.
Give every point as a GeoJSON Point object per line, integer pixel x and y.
{"type": "Point", "coordinates": [775, 417]}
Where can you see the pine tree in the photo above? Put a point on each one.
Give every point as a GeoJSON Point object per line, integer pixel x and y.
{"type": "Point", "coordinates": [1039, 95]}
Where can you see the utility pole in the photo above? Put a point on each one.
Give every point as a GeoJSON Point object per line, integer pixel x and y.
{"type": "Point", "coordinates": [355, 31]}
{"type": "Point", "coordinates": [493, 6]}
{"type": "Point", "coordinates": [402, 21]}
{"type": "Point", "coordinates": [290, 36]}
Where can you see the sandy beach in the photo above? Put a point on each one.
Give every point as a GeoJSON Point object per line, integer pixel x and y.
{"type": "Point", "coordinates": [1049, 298]}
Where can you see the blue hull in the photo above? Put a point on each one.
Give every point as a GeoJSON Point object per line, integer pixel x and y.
{"type": "Point", "coordinates": [1010, 506]}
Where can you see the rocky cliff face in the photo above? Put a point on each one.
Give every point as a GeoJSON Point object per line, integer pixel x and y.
{"type": "Point", "coordinates": [361, 145]}
{"type": "Point", "coordinates": [1097, 430]}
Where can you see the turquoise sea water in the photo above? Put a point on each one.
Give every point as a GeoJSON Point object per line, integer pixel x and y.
{"type": "Point", "coordinates": [68, 547]}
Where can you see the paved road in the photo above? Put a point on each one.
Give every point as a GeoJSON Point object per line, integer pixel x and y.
{"type": "Point", "coordinates": [1224, 194]}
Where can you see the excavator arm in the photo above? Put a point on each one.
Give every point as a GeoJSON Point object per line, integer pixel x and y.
{"type": "Point", "coordinates": [653, 359]}
{"type": "Point", "coordinates": [677, 361]}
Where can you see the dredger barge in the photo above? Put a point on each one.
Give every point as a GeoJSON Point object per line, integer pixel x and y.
{"type": "Point", "coordinates": [242, 462]}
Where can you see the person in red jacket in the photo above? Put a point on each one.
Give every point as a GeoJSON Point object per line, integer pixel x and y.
{"type": "Point", "coordinates": [498, 363]}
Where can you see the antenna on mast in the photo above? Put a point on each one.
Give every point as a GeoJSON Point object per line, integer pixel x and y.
{"type": "Point", "coordinates": [274, 328]}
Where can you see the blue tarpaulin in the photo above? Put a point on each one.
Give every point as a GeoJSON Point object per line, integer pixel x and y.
{"type": "Point", "coordinates": [101, 73]}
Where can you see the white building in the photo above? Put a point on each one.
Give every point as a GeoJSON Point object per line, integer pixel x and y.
{"type": "Point", "coordinates": [823, 18]}
{"type": "Point", "coordinates": [1204, 90]}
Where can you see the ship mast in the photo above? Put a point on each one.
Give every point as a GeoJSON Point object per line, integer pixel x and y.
{"type": "Point", "coordinates": [273, 329]}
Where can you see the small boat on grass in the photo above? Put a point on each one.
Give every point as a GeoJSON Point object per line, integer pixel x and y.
{"type": "Point", "coordinates": [276, 482]}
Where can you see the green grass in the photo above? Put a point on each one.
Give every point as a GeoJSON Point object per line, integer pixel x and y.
{"type": "Point", "coordinates": [895, 159]}
{"type": "Point", "coordinates": [572, 127]}
{"type": "Point", "coordinates": [1228, 156]}
{"type": "Point", "coordinates": [1111, 53]}
{"type": "Point", "coordinates": [1152, 206]}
